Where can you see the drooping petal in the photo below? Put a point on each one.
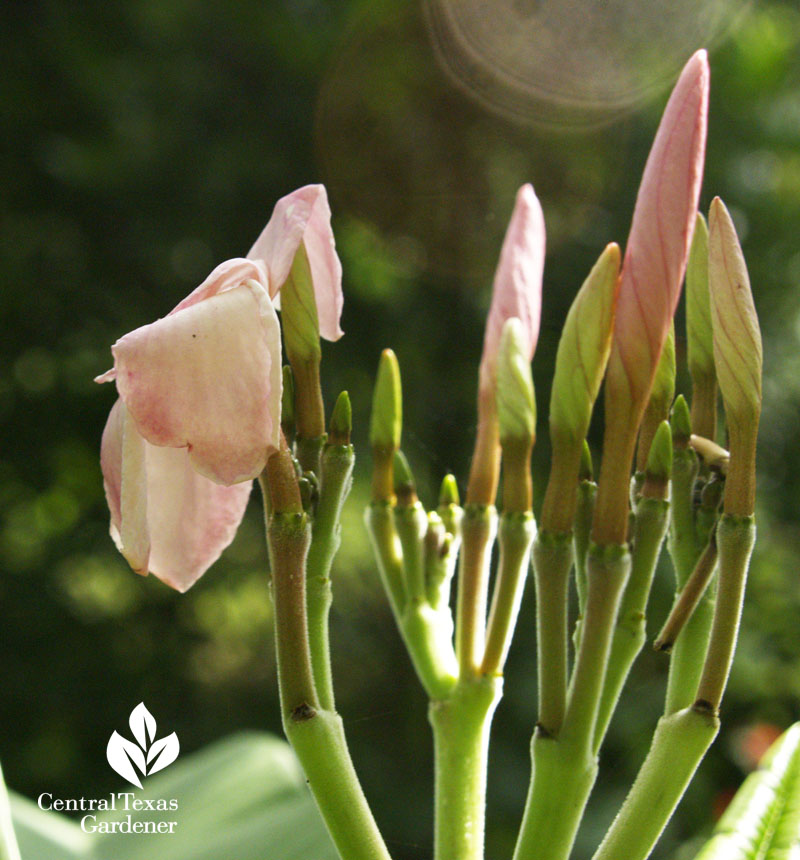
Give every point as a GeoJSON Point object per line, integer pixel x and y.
{"type": "Point", "coordinates": [304, 216]}
{"type": "Point", "coordinates": [208, 378]}
{"type": "Point", "coordinates": [661, 232]}
{"type": "Point", "coordinates": [517, 290]}
{"type": "Point", "coordinates": [191, 519]}
{"type": "Point", "coordinates": [122, 459]}
{"type": "Point", "coordinates": [165, 517]}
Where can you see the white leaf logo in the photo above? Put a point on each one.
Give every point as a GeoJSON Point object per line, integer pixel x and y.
{"type": "Point", "coordinates": [147, 755]}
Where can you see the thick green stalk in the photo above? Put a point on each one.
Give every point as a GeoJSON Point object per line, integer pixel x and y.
{"type": "Point", "coordinates": [478, 528]}
{"type": "Point", "coordinates": [584, 514]}
{"type": "Point", "coordinates": [686, 659]}
{"type": "Point", "coordinates": [515, 536]}
{"type": "Point", "coordinates": [461, 725]}
{"type": "Point", "coordinates": [609, 568]}
{"type": "Point", "coordinates": [335, 479]}
{"type": "Point", "coordinates": [562, 779]}
{"type": "Point", "coordinates": [9, 850]}
{"type": "Point", "coordinates": [679, 744]}
{"type": "Point", "coordinates": [629, 633]}
{"type": "Point", "coordinates": [735, 539]}
{"type": "Point", "coordinates": [552, 560]}
{"type": "Point", "coordinates": [318, 740]}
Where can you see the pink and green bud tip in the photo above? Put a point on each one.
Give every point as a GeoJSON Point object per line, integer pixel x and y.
{"type": "Point", "coordinates": [517, 292]}
{"type": "Point", "coordinates": [652, 274]}
{"type": "Point", "coordinates": [516, 401]}
{"type": "Point", "coordinates": [737, 355]}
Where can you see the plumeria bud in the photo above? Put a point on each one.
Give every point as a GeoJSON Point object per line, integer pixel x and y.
{"type": "Point", "coordinates": [386, 425]}
{"type": "Point", "coordinates": [660, 399]}
{"type": "Point", "coordinates": [387, 404]}
{"type": "Point", "coordinates": [448, 493]}
{"type": "Point", "coordinates": [583, 351]}
{"type": "Point", "coordinates": [516, 402]}
{"type": "Point", "coordinates": [517, 292]}
{"type": "Point", "coordinates": [299, 311]}
{"type": "Point", "coordinates": [341, 423]}
{"type": "Point", "coordinates": [659, 463]}
{"type": "Point", "coordinates": [699, 335]}
{"type": "Point", "coordinates": [737, 355]}
{"type": "Point", "coordinates": [681, 422]}
{"type": "Point", "coordinates": [586, 469]}
{"type": "Point", "coordinates": [405, 487]}
{"type": "Point", "coordinates": [652, 273]}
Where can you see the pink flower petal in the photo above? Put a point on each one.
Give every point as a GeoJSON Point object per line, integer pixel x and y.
{"type": "Point", "coordinates": [165, 517]}
{"type": "Point", "coordinates": [661, 231]}
{"type": "Point", "coordinates": [304, 216]}
{"type": "Point", "coordinates": [226, 276]}
{"type": "Point", "coordinates": [208, 377]}
{"type": "Point", "coordinates": [517, 290]}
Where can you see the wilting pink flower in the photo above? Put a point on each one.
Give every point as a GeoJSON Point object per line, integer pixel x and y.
{"type": "Point", "coordinates": [200, 393]}
{"type": "Point", "coordinates": [661, 232]}
{"type": "Point", "coordinates": [517, 290]}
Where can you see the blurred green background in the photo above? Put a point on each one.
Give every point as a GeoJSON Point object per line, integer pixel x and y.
{"type": "Point", "coordinates": [143, 143]}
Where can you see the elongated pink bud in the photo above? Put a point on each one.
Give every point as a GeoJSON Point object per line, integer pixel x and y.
{"type": "Point", "coordinates": [652, 274]}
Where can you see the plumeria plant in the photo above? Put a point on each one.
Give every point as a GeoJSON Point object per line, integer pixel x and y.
{"type": "Point", "coordinates": [206, 407]}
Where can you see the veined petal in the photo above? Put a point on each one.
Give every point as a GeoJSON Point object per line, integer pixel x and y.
{"type": "Point", "coordinates": [661, 231]}
{"type": "Point", "coordinates": [165, 517]}
{"type": "Point", "coordinates": [191, 518]}
{"type": "Point", "coordinates": [226, 276]}
{"type": "Point", "coordinates": [517, 290]}
{"type": "Point", "coordinates": [208, 378]}
{"type": "Point", "coordinates": [304, 216]}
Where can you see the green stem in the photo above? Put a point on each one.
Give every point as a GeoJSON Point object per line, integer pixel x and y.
{"type": "Point", "coordinates": [461, 726]}
{"type": "Point", "coordinates": [609, 567]}
{"type": "Point", "coordinates": [735, 539]}
{"type": "Point", "coordinates": [335, 481]}
{"type": "Point", "coordinates": [629, 634]}
{"type": "Point", "coordinates": [411, 524]}
{"type": "Point", "coordinates": [688, 654]}
{"type": "Point", "coordinates": [584, 514]}
{"type": "Point", "coordinates": [379, 518]}
{"type": "Point", "coordinates": [552, 560]}
{"type": "Point", "coordinates": [309, 451]}
{"type": "Point", "coordinates": [9, 850]}
{"type": "Point", "coordinates": [477, 534]}
{"type": "Point", "coordinates": [679, 744]}
{"type": "Point", "coordinates": [562, 779]}
{"type": "Point", "coordinates": [318, 740]}
{"type": "Point", "coordinates": [515, 536]}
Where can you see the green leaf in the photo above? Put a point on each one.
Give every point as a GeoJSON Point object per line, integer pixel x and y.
{"type": "Point", "coordinates": [763, 820]}
{"type": "Point", "coordinates": [242, 797]}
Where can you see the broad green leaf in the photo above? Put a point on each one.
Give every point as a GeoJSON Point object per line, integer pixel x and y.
{"type": "Point", "coordinates": [244, 797]}
{"type": "Point", "coordinates": [763, 820]}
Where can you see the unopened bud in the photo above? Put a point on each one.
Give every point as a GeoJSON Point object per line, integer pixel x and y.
{"type": "Point", "coordinates": [405, 487]}
{"type": "Point", "coordinates": [659, 463]}
{"type": "Point", "coordinates": [299, 311]}
{"type": "Point", "coordinates": [448, 494]}
{"type": "Point", "coordinates": [681, 422]}
{"type": "Point", "coordinates": [586, 470]}
{"type": "Point", "coordinates": [516, 403]}
{"type": "Point", "coordinates": [583, 350]}
{"type": "Point", "coordinates": [341, 424]}
{"type": "Point", "coordinates": [698, 307]}
{"type": "Point", "coordinates": [387, 405]}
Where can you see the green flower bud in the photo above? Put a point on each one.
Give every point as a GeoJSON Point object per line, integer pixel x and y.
{"type": "Point", "coordinates": [516, 402]}
{"type": "Point", "coordinates": [737, 339]}
{"type": "Point", "coordinates": [681, 422]}
{"type": "Point", "coordinates": [341, 424]}
{"type": "Point", "coordinates": [664, 383]}
{"type": "Point", "coordinates": [386, 424]}
{"type": "Point", "coordinates": [405, 487]}
{"type": "Point", "coordinates": [583, 350]}
{"type": "Point", "coordinates": [698, 305]}
{"type": "Point", "coordinates": [299, 311]}
{"type": "Point", "coordinates": [448, 494]}
{"type": "Point", "coordinates": [659, 460]}
{"type": "Point", "coordinates": [586, 469]}
{"type": "Point", "coordinates": [737, 356]}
